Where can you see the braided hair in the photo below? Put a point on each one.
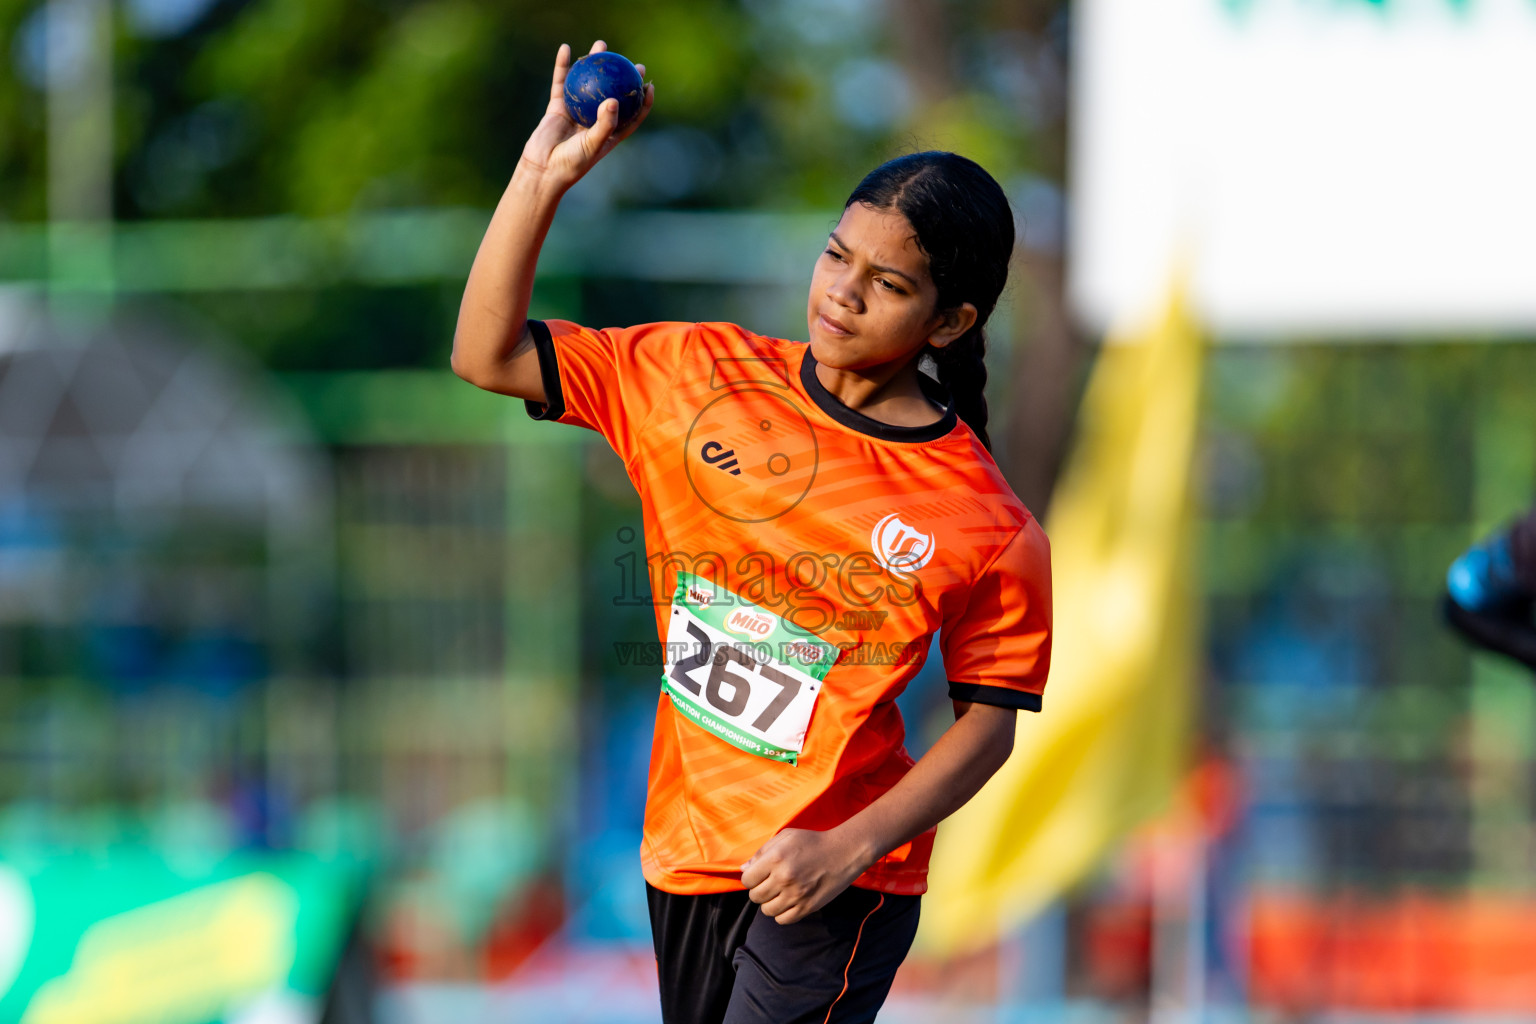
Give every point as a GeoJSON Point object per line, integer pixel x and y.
{"type": "Point", "coordinates": [964, 226]}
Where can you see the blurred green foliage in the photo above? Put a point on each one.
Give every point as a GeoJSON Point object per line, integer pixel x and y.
{"type": "Point", "coordinates": [227, 108]}
{"type": "Point", "coordinates": [1340, 483]}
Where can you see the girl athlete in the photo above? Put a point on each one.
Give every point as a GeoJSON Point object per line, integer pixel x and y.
{"type": "Point", "coordinates": [813, 515]}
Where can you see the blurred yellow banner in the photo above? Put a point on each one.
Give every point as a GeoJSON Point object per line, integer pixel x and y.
{"type": "Point", "coordinates": [1112, 741]}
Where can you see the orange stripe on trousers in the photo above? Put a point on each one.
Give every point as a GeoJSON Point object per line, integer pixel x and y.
{"type": "Point", "coordinates": [849, 966]}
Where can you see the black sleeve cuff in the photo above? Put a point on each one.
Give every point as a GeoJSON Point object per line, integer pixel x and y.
{"type": "Point", "coordinates": [1511, 633]}
{"type": "Point", "coordinates": [997, 696]}
{"type": "Point", "coordinates": [549, 373]}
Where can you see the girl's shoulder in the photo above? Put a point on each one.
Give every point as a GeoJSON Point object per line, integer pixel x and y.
{"type": "Point", "coordinates": [725, 336]}
{"type": "Point", "coordinates": [729, 354]}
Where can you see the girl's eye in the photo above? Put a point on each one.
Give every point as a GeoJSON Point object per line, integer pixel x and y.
{"type": "Point", "coordinates": [884, 283]}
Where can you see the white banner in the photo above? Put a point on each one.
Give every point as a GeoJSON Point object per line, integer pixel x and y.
{"type": "Point", "coordinates": [1317, 166]}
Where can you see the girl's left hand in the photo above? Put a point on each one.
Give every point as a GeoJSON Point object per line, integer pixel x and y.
{"type": "Point", "coordinates": [798, 872]}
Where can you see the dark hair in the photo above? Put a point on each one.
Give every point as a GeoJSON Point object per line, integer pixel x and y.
{"type": "Point", "coordinates": [964, 226]}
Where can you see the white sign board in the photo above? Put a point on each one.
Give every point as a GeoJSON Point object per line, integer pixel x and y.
{"type": "Point", "coordinates": [1317, 166]}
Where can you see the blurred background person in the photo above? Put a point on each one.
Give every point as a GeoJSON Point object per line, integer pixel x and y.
{"type": "Point", "coordinates": [1490, 590]}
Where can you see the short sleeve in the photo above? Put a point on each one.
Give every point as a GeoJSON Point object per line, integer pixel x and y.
{"type": "Point", "coordinates": [997, 650]}
{"type": "Point", "coordinates": [606, 380]}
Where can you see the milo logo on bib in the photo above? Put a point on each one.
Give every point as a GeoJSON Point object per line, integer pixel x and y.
{"type": "Point", "coordinates": [753, 625]}
{"type": "Point", "coordinates": [805, 654]}
{"type": "Point", "coordinates": [739, 672]}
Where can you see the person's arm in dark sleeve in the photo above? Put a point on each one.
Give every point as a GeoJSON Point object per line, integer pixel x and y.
{"type": "Point", "coordinates": [1491, 592]}
{"type": "Point", "coordinates": [1510, 634]}
{"type": "Point", "coordinates": [1522, 551]}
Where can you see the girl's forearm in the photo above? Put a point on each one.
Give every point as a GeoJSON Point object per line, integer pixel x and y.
{"type": "Point", "coordinates": [494, 310]}
{"type": "Point", "coordinates": [968, 754]}
{"type": "Point", "coordinates": [491, 344]}
{"type": "Point", "coordinates": [797, 871]}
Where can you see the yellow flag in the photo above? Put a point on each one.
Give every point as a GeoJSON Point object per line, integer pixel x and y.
{"type": "Point", "coordinates": [1111, 743]}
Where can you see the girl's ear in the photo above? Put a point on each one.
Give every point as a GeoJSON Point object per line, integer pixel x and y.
{"type": "Point", "coordinates": [952, 324]}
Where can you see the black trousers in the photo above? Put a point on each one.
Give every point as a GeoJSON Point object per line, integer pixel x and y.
{"type": "Point", "coordinates": [722, 961]}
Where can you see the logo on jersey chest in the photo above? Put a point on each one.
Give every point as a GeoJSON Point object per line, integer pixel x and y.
{"type": "Point", "coordinates": [751, 454]}
{"type": "Point", "coordinates": [720, 457]}
{"type": "Point", "coordinates": [899, 546]}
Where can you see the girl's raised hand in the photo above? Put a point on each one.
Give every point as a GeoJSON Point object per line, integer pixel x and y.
{"type": "Point", "coordinates": [561, 150]}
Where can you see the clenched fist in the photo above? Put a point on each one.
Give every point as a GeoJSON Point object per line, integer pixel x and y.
{"type": "Point", "coordinates": [798, 872]}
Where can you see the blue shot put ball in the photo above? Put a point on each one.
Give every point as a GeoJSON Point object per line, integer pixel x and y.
{"type": "Point", "coordinates": [595, 78]}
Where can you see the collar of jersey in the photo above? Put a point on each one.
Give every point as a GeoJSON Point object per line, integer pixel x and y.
{"type": "Point", "coordinates": [855, 420]}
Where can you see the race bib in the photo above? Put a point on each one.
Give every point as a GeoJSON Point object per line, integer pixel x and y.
{"type": "Point", "coordinates": [740, 671]}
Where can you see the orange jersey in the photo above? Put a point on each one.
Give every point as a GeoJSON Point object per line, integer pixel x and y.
{"type": "Point", "coordinates": [802, 556]}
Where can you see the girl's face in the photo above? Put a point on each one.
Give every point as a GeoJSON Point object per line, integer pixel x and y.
{"type": "Point", "coordinates": [872, 302]}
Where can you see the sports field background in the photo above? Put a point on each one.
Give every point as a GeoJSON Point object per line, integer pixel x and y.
{"type": "Point", "coordinates": [277, 588]}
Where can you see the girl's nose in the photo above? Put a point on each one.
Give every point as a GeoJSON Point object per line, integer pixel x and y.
{"type": "Point", "coordinates": [845, 293]}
